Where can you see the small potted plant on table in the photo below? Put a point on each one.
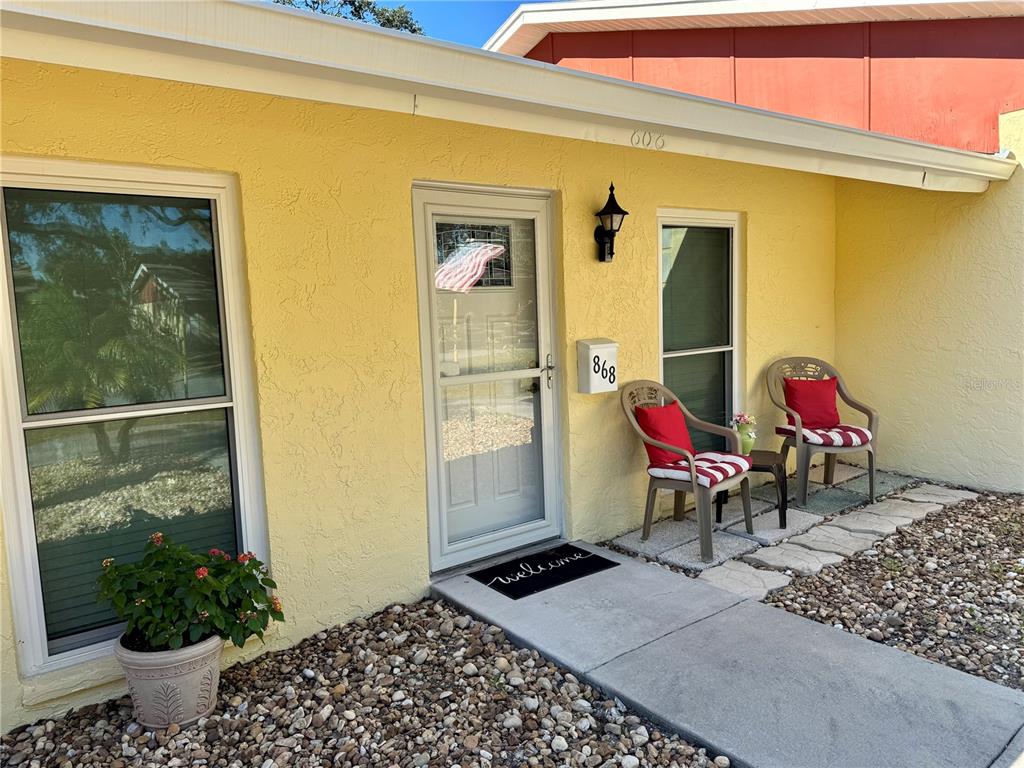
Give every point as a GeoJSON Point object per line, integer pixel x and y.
{"type": "Point", "coordinates": [745, 424]}
{"type": "Point", "coordinates": [179, 606]}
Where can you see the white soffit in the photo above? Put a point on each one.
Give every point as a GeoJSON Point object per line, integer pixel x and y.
{"type": "Point", "coordinates": [263, 48]}
{"type": "Point", "coordinates": [530, 22]}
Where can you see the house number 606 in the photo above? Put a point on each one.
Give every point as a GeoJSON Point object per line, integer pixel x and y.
{"type": "Point", "coordinates": [647, 140]}
{"type": "Point", "coordinates": [606, 371]}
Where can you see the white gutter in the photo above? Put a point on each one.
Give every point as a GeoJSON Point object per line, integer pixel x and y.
{"type": "Point", "coordinates": [271, 49]}
{"type": "Point", "coordinates": [530, 22]}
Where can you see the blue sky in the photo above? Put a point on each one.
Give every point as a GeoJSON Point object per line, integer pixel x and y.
{"type": "Point", "coordinates": [469, 22]}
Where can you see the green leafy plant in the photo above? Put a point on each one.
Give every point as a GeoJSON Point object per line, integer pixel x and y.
{"type": "Point", "coordinates": [174, 597]}
{"type": "Point", "coordinates": [892, 565]}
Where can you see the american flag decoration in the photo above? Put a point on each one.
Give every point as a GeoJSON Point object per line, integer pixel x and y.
{"type": "Point", "coordinates": [464, 268]}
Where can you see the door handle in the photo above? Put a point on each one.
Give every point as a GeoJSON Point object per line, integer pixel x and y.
{"type": "Point", "coordinates": [548, 370]}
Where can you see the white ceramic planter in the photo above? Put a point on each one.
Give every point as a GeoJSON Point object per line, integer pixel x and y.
{"type": "Point", "coordinates": [172, 686]}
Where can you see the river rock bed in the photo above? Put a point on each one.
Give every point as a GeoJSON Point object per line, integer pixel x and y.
{"type": "Point", "coordinates": [949, 588]}
{"type": "Point", "coordinates": [419, 685]}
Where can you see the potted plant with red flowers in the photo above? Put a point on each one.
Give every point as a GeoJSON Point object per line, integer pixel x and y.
{"type": "Point", "coordinates": [179, 606]}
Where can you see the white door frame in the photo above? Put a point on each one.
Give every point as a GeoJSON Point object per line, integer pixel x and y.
{"type": "Point", "coordinates": [732, 220]}
{"type": "Point", "coordinates": [430, 198]}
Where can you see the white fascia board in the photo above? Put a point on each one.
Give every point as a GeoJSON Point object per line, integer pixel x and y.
{"type": "Point", "coordinates": [270, 49]}
{"type": "Point", "coordinates": [530, 22]}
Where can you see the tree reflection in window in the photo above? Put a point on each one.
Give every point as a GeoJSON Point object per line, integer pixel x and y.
{"type": "Point", "coordinates": [116, 299]}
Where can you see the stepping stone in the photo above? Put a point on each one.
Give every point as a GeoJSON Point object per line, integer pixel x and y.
{"type": "Point", "coordinates": [790, 557]}
{"type": "Point", "coordinates": [832, 501]}
{"type": "Point", "coordinates": [732, 510]}
{"type": "Point", "coordinates": [843, 473]}
{"type": "Point", "coordinates": [745, 580]}
{"type": "Point", "coordinates": [768, 492]}
{"type": "Point", "coordinates": [831, 538]}
{"type": "Point", "coordinates": [726, 547]}
{"type": "Point", "coordinates": [902, 508]}
{"type": "Point", "coordinates": [865, 522]}
{"type": "Point", "coordinates": [938, 494]}
{"type": "Point", "coordinates": [766, 526]}
{"type": "Point", "coordinates": [885, 483]}
{"type": "Point", "coordinates": [666, 534]}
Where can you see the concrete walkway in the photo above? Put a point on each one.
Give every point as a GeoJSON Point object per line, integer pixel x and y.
{"type": "Point", "coordinates": [765, 687]}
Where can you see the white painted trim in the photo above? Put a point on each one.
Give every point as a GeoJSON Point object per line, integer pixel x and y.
{"type": "Point", "coordinates": [428, 199]}
{"type": "Point", "coordinates": [222, 189]}
{"type": "Point", "coordinates": [732, 220]}
{"type": "Point", "coordinates": [697, 351]}
{"type": "Point", "coordinates": [149, 409]}
{"type": "Point", "coordinates": [267, 48]}
{"type": "Point", "coordinates": [530, 22]}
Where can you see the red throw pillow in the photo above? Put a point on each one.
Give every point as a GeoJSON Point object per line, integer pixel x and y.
{"type": "Point", "coordinates": [666, 424]}
{"type": "Point", "coordinates": [814, 400]}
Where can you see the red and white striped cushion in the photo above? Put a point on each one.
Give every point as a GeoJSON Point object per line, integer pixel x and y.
{"type": "Point", "coordinates": [843, 436]}
{"type": "Point", "coordinates": [712, 468]}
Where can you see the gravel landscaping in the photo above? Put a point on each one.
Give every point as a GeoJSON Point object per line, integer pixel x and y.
{"type": "Point", "coordinates": [949, 588]}
{"type": "Point", "coordinates": [411, 686]}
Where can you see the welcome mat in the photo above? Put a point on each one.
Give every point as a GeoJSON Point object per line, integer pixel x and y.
{"type": "Point", "coordinates": [534, 573]}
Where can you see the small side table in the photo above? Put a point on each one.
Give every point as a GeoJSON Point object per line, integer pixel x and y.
{"type": "Point", "coordinates": [763, 461]}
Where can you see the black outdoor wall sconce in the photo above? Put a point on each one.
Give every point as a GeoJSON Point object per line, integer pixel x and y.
{"type": "Point", "coordinates": [611, 217]}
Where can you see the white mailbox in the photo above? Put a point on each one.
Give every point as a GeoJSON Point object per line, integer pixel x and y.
{"type": "Point", "coordinates": [597, 365]}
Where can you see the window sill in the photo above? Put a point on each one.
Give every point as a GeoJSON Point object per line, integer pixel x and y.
{"type": "Point", "coordinates": [57, 684]}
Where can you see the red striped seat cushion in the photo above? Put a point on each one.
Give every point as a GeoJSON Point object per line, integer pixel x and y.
{"type": "Point", "coordinates": [712, 468]}
{"type": "Point", "coordinates": [843, 436]}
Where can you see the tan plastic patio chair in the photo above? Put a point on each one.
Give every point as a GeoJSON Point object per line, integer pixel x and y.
{"type": "Point", "coordinates": [851, 439]}
{"type": "Point", "coordinates": [643, 393]}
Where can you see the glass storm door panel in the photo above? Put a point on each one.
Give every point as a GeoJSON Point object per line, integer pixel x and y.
{"type": "Point", "coordinates": [492, 456]}
{"type": "Point", "coordinates": [485, 295]}
{"type": "Point", "coordinates": [491, 388]}
{"type": "Point", "coordinates": [485, 299]}
{"type": "Point", "coordinates": [697, 323]}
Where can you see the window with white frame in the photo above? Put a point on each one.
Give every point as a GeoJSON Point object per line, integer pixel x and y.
{"type": "Point", "coordinates": [132, 410]}
{"type": "Point", "coordinates": [698, 321]}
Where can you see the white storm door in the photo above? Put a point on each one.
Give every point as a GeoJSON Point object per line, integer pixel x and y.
{"type": "Point", "coordinates": [482, 261]}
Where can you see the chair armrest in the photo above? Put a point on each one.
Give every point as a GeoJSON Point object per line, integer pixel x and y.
{"type": "Point", "coordinates": [675, 450]}
{"type": "Point", "coordinates": [857, 405]}
{"type": "Point", "coordinates": [715, 429]}
{"type": "Point", "coordinates": [667, 447]}
{"type": "Point", "coordinates": [798, 433]}
{"type": "Point", "coordinates": [781, 405]}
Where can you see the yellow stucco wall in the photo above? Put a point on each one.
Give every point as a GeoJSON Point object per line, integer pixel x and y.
{"type": "Point", "coordinates": [325, 194]}
{"type": "Point", "coordinates": [930, 322]}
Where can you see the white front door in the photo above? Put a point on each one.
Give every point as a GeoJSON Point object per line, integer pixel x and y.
{"type": "Point", "coordinates": [482, 262]}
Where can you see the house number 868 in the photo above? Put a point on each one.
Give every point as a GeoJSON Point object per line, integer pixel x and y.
{"type": "Point", "coordinates": [606, 371]}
